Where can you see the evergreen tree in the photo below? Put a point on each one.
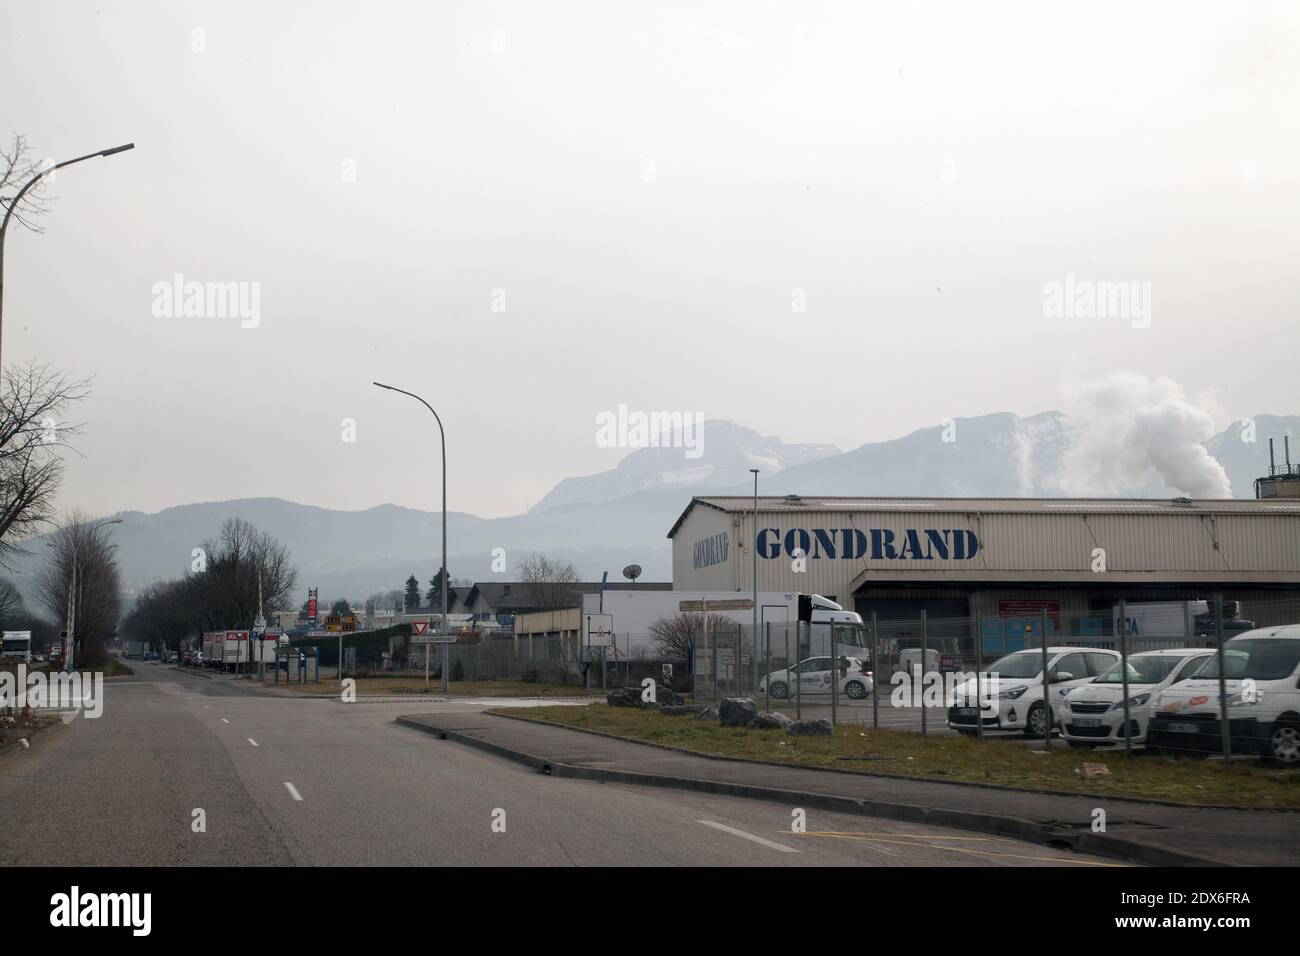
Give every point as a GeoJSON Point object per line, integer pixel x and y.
{"type": "Point", "coordinates": [434, 595]}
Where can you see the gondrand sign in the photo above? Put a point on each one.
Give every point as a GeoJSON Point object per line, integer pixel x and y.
{"type": "Point", "coordinates": [878, 544]}
{"type": "Point", "coordinates": [712, 550]}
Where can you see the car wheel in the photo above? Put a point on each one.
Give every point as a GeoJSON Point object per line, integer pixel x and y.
{"type": "Point", "coordinates": [855, 689]}
{"type": "Point", "coordinates": [779, 690]}
{"type": "Point", "coordinates": [1037, 723]}
{"type": "Point", "coordinates": [1284, 742]}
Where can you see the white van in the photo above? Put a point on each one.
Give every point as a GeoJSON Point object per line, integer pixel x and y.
{"type": "Point", "coordinates": [1262, 670]}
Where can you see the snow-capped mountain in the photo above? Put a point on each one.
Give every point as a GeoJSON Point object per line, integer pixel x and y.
{"type": "Point", "coordinates": [727, 452]}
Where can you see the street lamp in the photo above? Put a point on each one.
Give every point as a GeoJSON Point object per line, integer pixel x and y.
{"type": "Point", "coordinates": [446, 578]}
{"type": "Point", "coordinates": [4, 226]}
{"type": "Point", "coordinates": [70, 614]}
{"type": "Point", "coordinates": [753, 546]}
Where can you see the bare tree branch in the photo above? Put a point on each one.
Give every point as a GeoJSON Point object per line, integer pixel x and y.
{"type": "Point", "coordinates": [16, 167]}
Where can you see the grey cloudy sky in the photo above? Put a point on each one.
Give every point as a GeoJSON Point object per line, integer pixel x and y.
{"type": "Point", "coordinates": [648, 185]}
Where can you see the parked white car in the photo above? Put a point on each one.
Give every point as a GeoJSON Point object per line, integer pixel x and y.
{"type": "Point", "coordinates": [1093, 715]}
{"type": "Point", "coordinates": [1013, 686]}
{"type": "Point", "coordinates": [814, 677]}
{"type": "Point", "coordinates": [1262, 671]}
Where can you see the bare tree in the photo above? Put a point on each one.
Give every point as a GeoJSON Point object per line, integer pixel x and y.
{"type": "Point", "coordinates": [17, 166]}
{"type": "Point", "coordinates": [33, 401]}
{"type": "Point", "coordinates": [162, 615]}
{"type": "Point", "coordinates": [221, 597]}
{"type": "Point", "coordinates": [83, 553]}
{"type": "Point", "coordinates": [227, 591]}
{"type": "Point", "coordinates": [674, 638]}
{"type": "Point", "coordinates": [11, 603]}
{"type": "Point", "coordinates": [549, 584]}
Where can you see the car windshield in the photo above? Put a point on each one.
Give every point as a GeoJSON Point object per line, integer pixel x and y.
{"type": "Point", "coordinates": [1022, 664]}
{"type": "Point", "coordinates": [1259, 658]}
{"type": "Point", "coordinates": [1141, 670]}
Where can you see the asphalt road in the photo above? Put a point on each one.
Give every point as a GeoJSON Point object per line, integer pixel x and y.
{"type": "Point", "coordinates": [295, 781]}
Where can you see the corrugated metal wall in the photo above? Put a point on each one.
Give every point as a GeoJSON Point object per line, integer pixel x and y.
{"type": "Point", "coordinates": [1233, 548]}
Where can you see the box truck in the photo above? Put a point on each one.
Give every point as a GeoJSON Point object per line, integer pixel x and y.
{"type": "Point", "coordinates": [1165, 620]}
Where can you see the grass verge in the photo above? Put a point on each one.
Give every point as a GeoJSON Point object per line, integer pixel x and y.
{"type": "Point", "coordinates": [1195, 782]}
{"type": "Point", "coordinates": [382, 686]}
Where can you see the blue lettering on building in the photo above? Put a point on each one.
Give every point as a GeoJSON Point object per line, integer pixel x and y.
{"type": "Point", "coordinates": [878, 544]}
{"type": "Point", "coordinates": [712, 550]}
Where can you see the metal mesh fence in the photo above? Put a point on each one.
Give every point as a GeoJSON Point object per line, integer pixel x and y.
{"type": "Point", "coordinates": [1135, 676]}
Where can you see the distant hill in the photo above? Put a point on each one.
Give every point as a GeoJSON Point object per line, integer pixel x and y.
{"type": "Point", "coordinates": [354, 553]}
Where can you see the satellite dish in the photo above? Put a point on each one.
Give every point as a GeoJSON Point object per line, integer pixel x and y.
{"type": "Point", "coordinates": [632, 572]}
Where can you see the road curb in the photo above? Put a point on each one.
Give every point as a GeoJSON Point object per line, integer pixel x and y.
{"type": "Point", "coordinates": [1081, 842]}
{"type": "Point", "coordinates": [849, 771]}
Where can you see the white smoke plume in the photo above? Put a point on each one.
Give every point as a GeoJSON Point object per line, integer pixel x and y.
{"type": "Point", "coordinates": [1125, 426]}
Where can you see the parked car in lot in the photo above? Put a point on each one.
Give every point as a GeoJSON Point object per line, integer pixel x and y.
{"type": "Point", "coordinates": [1093, 715]}
{"type": "Point", "coordinates": [814, 677]}
{"type": "Point", "coordinates": [1262, 681]}
{"type": "Point", "coordinates": [1013, 686]}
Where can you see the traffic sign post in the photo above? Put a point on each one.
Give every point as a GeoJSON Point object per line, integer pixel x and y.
{"type": "Point", "coordinates": [599, 630]}
{"type": "Point", "coordinates": [421, 628]}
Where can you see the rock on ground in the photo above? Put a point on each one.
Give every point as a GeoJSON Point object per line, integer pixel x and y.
{"type": "Point", "coordinates": [809, 728]}
{"type": "Point", "coordinates": [736, 711]}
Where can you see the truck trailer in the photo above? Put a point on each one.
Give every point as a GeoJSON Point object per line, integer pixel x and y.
{"type": "Point", "coordinates": [827, 628]}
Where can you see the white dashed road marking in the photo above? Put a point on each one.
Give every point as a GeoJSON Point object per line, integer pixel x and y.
{"type": "Point", "coordinates": [224, 721]}
{"type": "Point", "coordinates": [748, 836]}
{"type": "Point", "coordinates": [252, 741]}
{"type": "Point", "coordinates": [293, 791]}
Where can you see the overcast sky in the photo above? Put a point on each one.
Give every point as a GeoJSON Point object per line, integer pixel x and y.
{"type": "Point", "coordinates": [652, 189]}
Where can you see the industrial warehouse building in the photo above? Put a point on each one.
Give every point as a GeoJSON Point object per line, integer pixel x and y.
{"type": "Point", "coordinates": [1006, 561]}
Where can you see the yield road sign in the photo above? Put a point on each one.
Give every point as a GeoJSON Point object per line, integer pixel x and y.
{"type": "Point", "coordinates": [420, 627]}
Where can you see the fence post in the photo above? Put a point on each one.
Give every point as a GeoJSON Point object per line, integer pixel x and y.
{"type": "Point", "coordinates": [875, 675]}
{"type": "Point", "coordinates": [835, 675]}
{"type": "Point", "coordinates": [767, 658]}
{"type": "Point", "coordinates": [925, 653]}
{"type": "Point", "coordinates": [786, 659]}
{"type": "Point", "coordinates": [740, 634]}
{"type": "Point", "coordinates": [1225, 730]}
{"type": "Point", "coordinates": [979, 668]}
{"type": "Point", "coordinates": [1123, 663]}
{"type": "Point", "coordinates": [798, 683]}
{"type": "Point", "coordinates": [1047, 685]}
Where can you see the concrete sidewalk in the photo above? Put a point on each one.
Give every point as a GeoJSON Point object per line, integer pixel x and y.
{"type": "Point", "coordinates": [1146, 833]}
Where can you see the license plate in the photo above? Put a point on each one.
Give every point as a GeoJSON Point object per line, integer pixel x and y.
{"type": "Point", "coordinates": [967, 711]}
{"type": "Point", "coordinates": [1184, 728]}
{"type": "Point", "coordinates": [1087, 721]}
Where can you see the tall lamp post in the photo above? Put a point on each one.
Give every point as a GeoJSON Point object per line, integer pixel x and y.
{"type": "Point", "coordinates": [74, 593]}
{"type": "Point", "coordinates": [13, 204]}
{"type": "Point", "coordinates": [753, 546]}
{"type": "Point", "coordinates": [446, 578]}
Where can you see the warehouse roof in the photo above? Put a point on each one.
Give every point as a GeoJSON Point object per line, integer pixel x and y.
{"type": "Point", "coordinates": [1041, 506]}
